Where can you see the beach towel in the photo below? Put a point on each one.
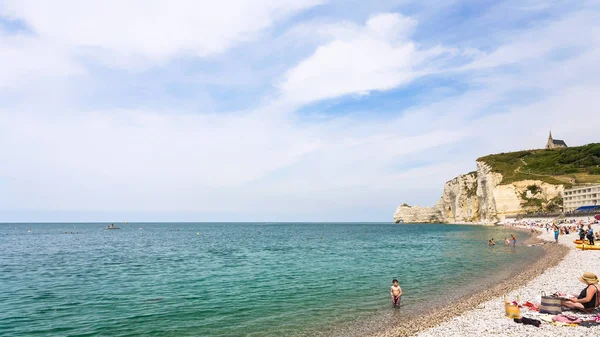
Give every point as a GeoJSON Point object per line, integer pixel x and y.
{"type": "Point", "coordinates": [565, 324]}
{"type": "Point", "coordinates": [566, 319]}
{"type": "Point", "coordinates": [546, 318]}
{"type": "Point", "coordinates": [531, 306]}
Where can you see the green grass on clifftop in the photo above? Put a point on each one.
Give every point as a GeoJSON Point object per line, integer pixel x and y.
{"type": "Point", "coordinates": [568, 166]}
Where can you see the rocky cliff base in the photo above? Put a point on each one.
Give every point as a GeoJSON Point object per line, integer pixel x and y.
{"type": "Point", "coordinates": [481, 198]}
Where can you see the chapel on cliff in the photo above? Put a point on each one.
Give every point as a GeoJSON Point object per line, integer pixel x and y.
{"type": "Point", "coordinates": [555, 143]}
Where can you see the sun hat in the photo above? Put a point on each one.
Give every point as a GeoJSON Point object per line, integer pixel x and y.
{"type": "Point", "coordinates": [589, 278]}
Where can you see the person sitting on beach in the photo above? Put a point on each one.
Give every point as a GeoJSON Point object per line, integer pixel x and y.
{"type": "Point", "coordinates": [395, 293]}
{"type": "Point", "coordinates": [588, 299]}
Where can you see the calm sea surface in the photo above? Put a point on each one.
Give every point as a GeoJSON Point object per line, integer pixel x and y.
{"type": "Point", "coordinates": [234, 279]}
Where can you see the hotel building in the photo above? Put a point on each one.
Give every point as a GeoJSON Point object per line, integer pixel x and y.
{"type": "Point", "coordinates": [581, 196]}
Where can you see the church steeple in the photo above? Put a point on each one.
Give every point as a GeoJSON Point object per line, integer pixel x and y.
{"type": "Point", "coordinates": [554, 143]}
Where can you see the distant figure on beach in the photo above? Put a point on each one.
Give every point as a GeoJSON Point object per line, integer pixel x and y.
{"type": "Point", "coordinates": [588, 299]}
{"type": "Point", "coordinates": [590, 234]}
{"type": "Point", "coordinates": [506, 242]}
{"type": "Point", "coordinates": [556, 232]}
{"type": "Point", "coordinates": [395, 293]}
{"type": "Point", "coordinates": [514, 240]}
{"type": "Point", "coordinates": [581, 232]}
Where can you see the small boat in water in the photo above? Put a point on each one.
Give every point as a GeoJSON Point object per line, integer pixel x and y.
{"type": "Point", "coordinates": [112, 226]}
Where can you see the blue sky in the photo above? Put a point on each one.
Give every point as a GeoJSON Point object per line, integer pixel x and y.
{"type": "Point", "coordinates": [278, 110]}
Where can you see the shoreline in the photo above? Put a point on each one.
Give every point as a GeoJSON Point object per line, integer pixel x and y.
{"type": "Point", "coordinates": [553, 254]}
{"type": "Point", "coordinates": [488, 319]}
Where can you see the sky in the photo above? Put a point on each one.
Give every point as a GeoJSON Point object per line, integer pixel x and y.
{"type": "Point", "coordinates": [276, 110]}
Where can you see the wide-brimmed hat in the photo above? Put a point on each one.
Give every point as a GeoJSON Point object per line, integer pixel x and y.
{"type": "Point", "coordinates": [589, 278]}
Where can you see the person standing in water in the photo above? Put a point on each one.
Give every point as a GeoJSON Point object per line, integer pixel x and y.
{"type": "Point", "coordinates": [395, 293]}
{"type": "Point", "coordinates": [514, 240]}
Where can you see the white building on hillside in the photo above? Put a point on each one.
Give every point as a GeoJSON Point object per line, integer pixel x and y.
{"type": "Point", "coordinates": [581, 196]}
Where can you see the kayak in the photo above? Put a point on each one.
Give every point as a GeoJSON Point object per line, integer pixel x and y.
{"type": "Point", "coordinates": [578, 242]}
{"type": "Point", "coordinates": [587, 247]}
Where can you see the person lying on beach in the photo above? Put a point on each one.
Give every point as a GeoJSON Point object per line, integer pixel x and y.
{"type": "Point", "coordinates": [588, 299]}
{"type": "Point", "coordinates": [395, 293]}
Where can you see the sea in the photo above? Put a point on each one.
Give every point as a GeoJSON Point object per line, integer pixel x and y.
{"type": "Point", "coordinates": [239, 279]}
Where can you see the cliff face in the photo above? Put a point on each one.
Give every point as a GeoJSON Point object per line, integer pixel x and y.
{"type": "Point", "coordinates": [416, 214]}
{"type": "Point", "coordinates": [459, 201]}
{"type": "Point", "coordinates": [480, 197]}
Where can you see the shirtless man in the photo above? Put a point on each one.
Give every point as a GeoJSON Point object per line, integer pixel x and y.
{"type": "Point", "coordinates": [395, 293]}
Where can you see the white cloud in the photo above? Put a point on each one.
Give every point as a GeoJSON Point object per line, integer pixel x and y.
{"type": "Point", "coordinates": [24, 61]}
{"type": "Point", "coordinates": [147, 161]}
{"type": "Point", "coordinates": [567, 34]}
{"type": "Point", "coordinates": [360, 59]}
{"type": "Point", "coordinates": [143, 32]}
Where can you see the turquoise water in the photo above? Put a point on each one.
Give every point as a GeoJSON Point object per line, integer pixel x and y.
{"type": "Point", "coordinates": [235, 279]}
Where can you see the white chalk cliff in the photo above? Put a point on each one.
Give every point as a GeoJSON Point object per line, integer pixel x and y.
{"type": "Point", "coordinates": [480, 197]}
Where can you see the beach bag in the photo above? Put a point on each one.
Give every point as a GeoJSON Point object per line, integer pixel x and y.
{"type": "Point", "coordinates": [550, 305]}
{"type": "Point", "coordinates": [512, 310]}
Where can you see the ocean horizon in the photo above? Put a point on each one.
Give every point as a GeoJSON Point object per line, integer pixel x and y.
{"type": "Point", "coordinates": [238, 279]}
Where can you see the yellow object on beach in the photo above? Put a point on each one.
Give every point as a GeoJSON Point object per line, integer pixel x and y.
{"type": "Point", "coordinates": [565, 324]}
{"type": "Point", "coordinates": [587, 247]}
{"type": "Point", "coordinates": [512, 311]}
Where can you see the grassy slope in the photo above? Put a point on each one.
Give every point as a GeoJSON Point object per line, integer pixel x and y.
{"type": "Point", "coordinates": [572, 165]}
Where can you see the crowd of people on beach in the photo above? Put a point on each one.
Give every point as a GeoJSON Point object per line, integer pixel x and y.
{"type": "Point", "coordinates": [582, 227]}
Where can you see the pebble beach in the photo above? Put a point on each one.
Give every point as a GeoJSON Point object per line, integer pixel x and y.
{"type": "Point", "coordinates": [482, 314]}
{"type": "Point", "coordinates": [489, 319]}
